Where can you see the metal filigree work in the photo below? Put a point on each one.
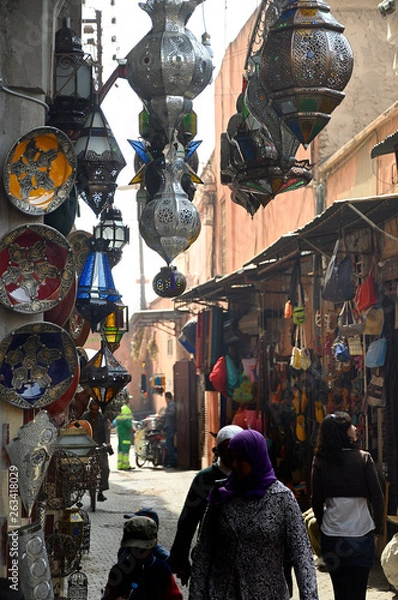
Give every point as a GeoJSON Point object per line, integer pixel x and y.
{"type": "Point", "coordinates": [34, 570]}
{"type": "Point", "coordinates": [170, 222]}
{"type": "Point", "coordinates": [169, 66]}
{"type": "Point", "coordinates": [40, 171]}
{"type": "Point", "coordinates": [31, 452]}
{"type": "Point", "coordinates": [63, 554]}
{"type": "Point", "coordinates": [306, 62]}
{"type": "Point", "coordinates": [65, 482]}
{"type": "Point", "coordinates": [37, 268]}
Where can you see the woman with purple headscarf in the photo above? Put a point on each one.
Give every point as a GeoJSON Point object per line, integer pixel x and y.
{"type": "Point", "coordinates": [252, 525]}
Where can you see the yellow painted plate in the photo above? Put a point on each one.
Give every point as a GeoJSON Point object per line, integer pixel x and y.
{"type": "Point", "coordinates": [40, 170]}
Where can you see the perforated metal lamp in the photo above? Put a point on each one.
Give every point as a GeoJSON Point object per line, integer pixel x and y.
{"type": "Point", "coordinates": [99, 159]}
{"type": "Point", "coordinates": [73, 76]}
{"type": "Point", "coordinates": [112, 230]}
{"type": "Point", "coordinates": [103, 376]}
{"type": "Point", "coordinates": [96, 295]}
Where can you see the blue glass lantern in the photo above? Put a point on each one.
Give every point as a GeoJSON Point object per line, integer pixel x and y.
{"type": "Point", "coordinates": [96, 294]}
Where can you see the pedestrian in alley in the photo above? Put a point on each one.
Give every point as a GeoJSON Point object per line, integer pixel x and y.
{"type": "Point", "coordinates": [344, 482]}
{"type": "Point", "coordinates": [138, 574]}
{"type": "Point", "coordinates": [196, 502]}
{"type": "Point", "coordinates": [124, 427]}
{"type": "Point", "coordinates": [252, 523]}
{"type": "Point", "coordinates": [170, 429]}
{"type": "Point", "coordinates": [101, 429]}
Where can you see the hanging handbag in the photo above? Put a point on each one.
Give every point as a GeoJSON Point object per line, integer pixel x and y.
{"type": "Point", "coordinates": [375, 393]}
{"type": "Point", "coordinates": [349, 323]}
{"type": "Point", "coordinates": [365, 295]}
{"type": "Point", "coordinates": [300, 358]}
{"type": "Point", "coordinates": [376, 353]}
{"type": "Point", "coordinates": [339, 283]}
{"type": "Point", "coordinates": [355, 345]}
{"type": "Point", "coordinates": [340, 350]}
{"type": "Point", "coordinates": [374, 320]}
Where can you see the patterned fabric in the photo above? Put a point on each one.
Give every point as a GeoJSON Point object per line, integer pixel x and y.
{"type": "Point", "coordinates": [243, 545]}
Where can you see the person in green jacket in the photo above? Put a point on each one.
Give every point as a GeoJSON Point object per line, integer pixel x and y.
{"type": "Point", "coordinates": [124, 424]}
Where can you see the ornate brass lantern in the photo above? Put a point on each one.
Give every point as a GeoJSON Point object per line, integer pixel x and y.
{"type": "Point", "coordinates": [306, 62]}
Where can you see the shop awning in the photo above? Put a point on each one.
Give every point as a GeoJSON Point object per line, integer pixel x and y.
{"type": "Point", "coordinates": [318, 236]}
{"type": "Point", "coordinates": [388, 146]}
{"type": "Point", "coordinates": [145, 318]}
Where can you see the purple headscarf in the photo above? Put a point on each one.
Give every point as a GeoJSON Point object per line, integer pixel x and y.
{"type": "Point", "coordinates": [251, 446]}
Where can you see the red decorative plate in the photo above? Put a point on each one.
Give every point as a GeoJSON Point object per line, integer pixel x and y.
{"type": "Point", "coordinates": [36, 268]}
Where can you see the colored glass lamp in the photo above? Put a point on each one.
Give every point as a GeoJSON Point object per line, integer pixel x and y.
{"type": "Point", "coordinates": [96, 295]}
{"type": "Point", "coordinates": [73, 76]}
{"type": "Point", "coordinates": [99, 161]}
{"type": "Point", "coordinates": [114, 326]}
{"type": "Point", "coordinates": [169, 283]}
{"type": "Point", "coordinates": [306, 62]}
{"type": "Point", "coordinates": [103, 376]}
{"type": "Point", "coordinates": [112, 230]}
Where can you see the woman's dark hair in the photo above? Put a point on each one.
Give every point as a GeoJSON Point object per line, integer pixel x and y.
{"type": "Point", "coordinates": [333, 436]}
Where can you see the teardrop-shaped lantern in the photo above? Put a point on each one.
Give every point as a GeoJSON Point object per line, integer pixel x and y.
{"type": "Point", "coordinates": [169, 66]}
{"type": "Point", "coordinates": [306, 62]}
{"type": "Point", "coordinates": [170, 222]}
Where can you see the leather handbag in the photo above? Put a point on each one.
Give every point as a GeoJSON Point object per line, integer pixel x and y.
{"type": "Point", "coordinates": [376, 353]}
{"type": "Point", "coordinates": [365, 295]}
{"type": "Point", "coordinates": [339, 283]}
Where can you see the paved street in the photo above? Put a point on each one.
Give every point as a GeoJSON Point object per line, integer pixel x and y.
{"type": "Point", "coordinates": [164, 490]}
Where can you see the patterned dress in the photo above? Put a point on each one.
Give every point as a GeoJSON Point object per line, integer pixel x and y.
{"type": "Point", "coordinates": [243, 545]}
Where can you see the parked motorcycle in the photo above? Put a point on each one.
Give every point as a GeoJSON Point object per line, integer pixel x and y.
{"type": "Point", "coordinates": [149, 441]}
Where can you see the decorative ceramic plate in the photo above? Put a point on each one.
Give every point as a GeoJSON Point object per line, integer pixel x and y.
{"type": "Point", "coordinates": [36, 268]}
{"type": "Point", "coordinates": [38, 365]}
{"type": "Point", "coordinates": [40, 170]}
{"type": "Point", "coordinates": [61, 313]}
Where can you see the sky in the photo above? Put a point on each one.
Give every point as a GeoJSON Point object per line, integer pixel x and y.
{"type": "Point", "coordinates": [124, 24]}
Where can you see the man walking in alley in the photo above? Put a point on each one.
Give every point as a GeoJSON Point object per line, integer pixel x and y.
{"type": "Point", "coordinates": [170, 428]}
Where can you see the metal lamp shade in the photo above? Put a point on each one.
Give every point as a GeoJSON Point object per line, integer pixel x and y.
{"type": "Point", "coordinates": [169, 283]}
{"type": "Point", "coordinates": [306, 62]}
{"type": "Point", "coordinates": [170, 222]}
{"type": "Point", "coordinates": [114, 326]}
{"type": "Point", "coordinates": [169, 66]}
{"type": "Point", "coordinates": [96, 293]}
{"type": "Point", "coordinates": [103, 377]}
{"type": "Point", "coordinates": [99, 161]}
{"type": "Point", "coordinates": [112, 230]}
{"type": "Point", "coordinates": [73, 76]}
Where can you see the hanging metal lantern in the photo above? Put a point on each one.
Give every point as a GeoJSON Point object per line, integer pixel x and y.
{"type": "Point", "coordinates": [169, 283]}
{"type": "Point", "coordinates": [114, 326]}
{"type": "Point", "coordinates": [170, 222]}
{"type": "Point", "coordinates": [103, 377]}
{"type": "Point", "coordinates": [306, 62]}
{"type": "Point", "coordinates": [169, 66]}
{"type": "Point", "coordinates": [112, 230]}
{"type": "Point", "coordinates": [72, 82]}
{"type": "Point", "coordinates": [96, 295]}
{"type": "Point", "coordinates": [99, 161]}
{"type": "Point", "coordinates": [77, 586]}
